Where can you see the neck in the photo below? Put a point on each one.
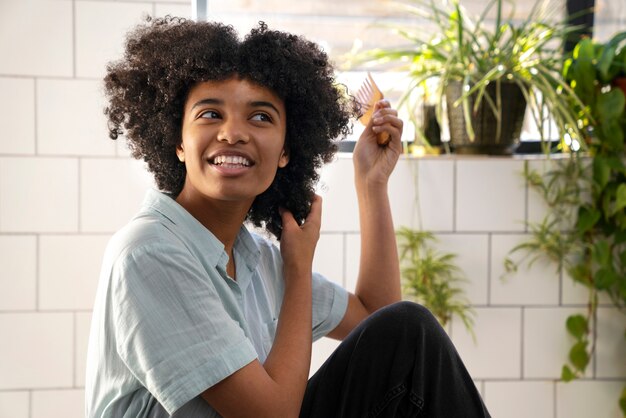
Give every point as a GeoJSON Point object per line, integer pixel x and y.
{"type": "Point", "coordinates": [224, 219]}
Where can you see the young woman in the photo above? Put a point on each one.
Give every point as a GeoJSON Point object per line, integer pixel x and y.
{"type": "Point", "coordinates": [195, 316]}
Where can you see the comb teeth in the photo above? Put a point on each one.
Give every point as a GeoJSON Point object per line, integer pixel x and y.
{"type": "Point", "coordinates": [367, 96]}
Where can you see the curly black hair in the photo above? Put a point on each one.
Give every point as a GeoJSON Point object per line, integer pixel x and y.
{"type": "Point", "coordinates": [165, 58]}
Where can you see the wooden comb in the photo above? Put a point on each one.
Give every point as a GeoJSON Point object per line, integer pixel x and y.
{"type": "Point", "coordinates": [367, 96]}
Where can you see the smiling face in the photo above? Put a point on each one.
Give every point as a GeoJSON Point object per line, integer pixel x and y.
{"type": "Point", "coordinates": [233, 136]}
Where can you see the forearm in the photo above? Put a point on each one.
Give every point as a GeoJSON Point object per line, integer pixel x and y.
{"type": "Point", "coordinates": [276, 388]}
{"type": "Point", "coordinates": [378, 281]}
{"type": "Point", "coordinates": [289, 360]}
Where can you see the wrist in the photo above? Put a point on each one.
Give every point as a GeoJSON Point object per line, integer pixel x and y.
{"type": "Point", "coordinates": [371, 187]}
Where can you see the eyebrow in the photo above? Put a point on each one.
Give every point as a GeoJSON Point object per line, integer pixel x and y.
{"type": "Point", "coordinates": [256, 103]}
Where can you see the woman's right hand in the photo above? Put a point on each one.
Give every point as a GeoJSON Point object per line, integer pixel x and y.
{"type": "Point", "coordinates": [298, 242]}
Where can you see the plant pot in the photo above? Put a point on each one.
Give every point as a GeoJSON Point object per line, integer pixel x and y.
{"type": "Point", "coordinates": [430, 126]}
{"type": "Point", "coordinates": [487, 139]}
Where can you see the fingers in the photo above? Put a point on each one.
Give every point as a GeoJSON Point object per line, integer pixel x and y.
{"type": "Point", "coordinates": [314, 218]}
{"type": "Point", "coordinates": [385, 120]}
{"type": "Point", "coordinates": [315, 214]}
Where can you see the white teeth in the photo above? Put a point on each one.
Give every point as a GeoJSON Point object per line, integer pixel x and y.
{"type": "Point", "coordinates": [231, 160]}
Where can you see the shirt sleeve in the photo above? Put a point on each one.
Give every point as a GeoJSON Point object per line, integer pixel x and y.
{"type": "Point", "coordinates": [171, 328]}
{"type": "Point", "coordinates": [330, 302]}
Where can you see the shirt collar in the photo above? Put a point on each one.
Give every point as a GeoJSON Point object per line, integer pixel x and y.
{"type": "Point", "coordinates": [197, 236]}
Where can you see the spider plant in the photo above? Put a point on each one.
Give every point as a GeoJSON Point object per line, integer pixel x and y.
{"type": "Point", "coordinates": [431, 278]}
{"type": "Point", "coordinates": [483, 55]}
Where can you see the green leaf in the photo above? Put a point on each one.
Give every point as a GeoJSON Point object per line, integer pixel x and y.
{"type": "Point", "coordinates": [580, 273]}
{"type": "Point", "coordinates": [610, 105]}
{"type": "Point", "coordinates": [612, 134]}
{"type": "Point", "coordinates": [577, 326]}
{"type": "Point", "coordinates": [620, 198]}
{"type": "Point", "coordinates": [567, 375]}
{"type": "Point", "coordinates": [578, 356]}
{"type": "Point", "coordinates": [583, 71]}
{"type": "Point", "coordinates": [587, 218]}
{"type": "Point", "coordinates": [601, 171]}
{"type": "Point", "coordinates": [605, 278]}
{"type": "Point", "coordinates": [604, 63]}
{"type": "Point", "coordinates": [622, 401]}
{"type": "Point", "coordinates": [602, 253]}
{"type": "Point", "coordinates": [510, 266]}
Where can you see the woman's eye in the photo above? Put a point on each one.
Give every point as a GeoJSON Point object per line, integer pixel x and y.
{"type": "Point", "coordinates": [262, 117]}
{"type": "Point", "coordinates": [210, 114]}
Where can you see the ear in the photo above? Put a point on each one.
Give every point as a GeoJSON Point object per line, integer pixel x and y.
{"type": "Point", "coordinates": [284, 159]}
{"type": "Point", "coordinates": [180, 152]}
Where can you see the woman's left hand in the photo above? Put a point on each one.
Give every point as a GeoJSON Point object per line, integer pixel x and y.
{"type": "Point", "coordinates": [374, 163]}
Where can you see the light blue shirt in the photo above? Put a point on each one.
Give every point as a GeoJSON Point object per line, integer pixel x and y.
{"type": "Point", "coordinates": [168, 323]}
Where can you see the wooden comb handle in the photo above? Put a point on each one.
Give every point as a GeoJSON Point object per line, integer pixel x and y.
{"type": "Point", "coordinates": [383, 138]}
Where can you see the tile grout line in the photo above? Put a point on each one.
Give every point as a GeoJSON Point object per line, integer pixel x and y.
{"type": "Point", "coordinates": [554, 398]}
{"type": "Point", "coordinates": [74, 48]}
{"type": "Point", "coordinates": [78, 195]}
{"type": "Point", "coordinates": [489, 247]}
{"type": "Point", "coordinates": [522, 337]}
{"type": "Point", "coordinates": [36, 115]}
{"type": "Point", "coordinates": [526, 201]}
{"type": "Point", "coordinates": [37, 270]}
{"type": "Point", "coordinates": [74, 341]}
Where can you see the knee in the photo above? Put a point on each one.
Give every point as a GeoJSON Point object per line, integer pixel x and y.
{"type": "Point", "coordinates": [406, 317]}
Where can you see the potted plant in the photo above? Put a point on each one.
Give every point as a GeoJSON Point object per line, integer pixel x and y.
{"type": "Point", "coordinates": [589, 189]}
{"type": "Point", "coordinates": [486, 74]}
{"type": "Point", "coordinates": [431, 277]}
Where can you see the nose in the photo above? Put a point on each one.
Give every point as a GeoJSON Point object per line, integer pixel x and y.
{"type": "Point", "coordinates": [232, 132]}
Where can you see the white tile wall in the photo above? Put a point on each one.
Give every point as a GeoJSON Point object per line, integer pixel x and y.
{"type": "Point", "coordinates": [36, 38]}
{"type": "Point", "coordinates": [322, 349]}
{"type": "Point", "coordinates": [14, 404]}
{"type": "Point", "coordinates": [573, 293]}
{"type": "Point", "coordinates": [483, 189]}
{"type": "Point", "coordinates": [496, 352]}
{"type": "Point", "coordinates": [83, 322]}
{"type": "Point", "coordinates": [37, 350]}
{"type": "Point", "coordinates": [64, 188]}
{"type": "Point", "coordinates": [111, 192]}
{"type": "Point", "coordinates": [611, 349]}
{"type": "Point", "coordinates": [329, 259]}
{"type": "Point", "coordinates": [546, 342]}
{"type": "Point", "coordinates": [18, 279]}
{"type": "Point", "coordinates": [100, 30]}
{"type": "Point", "coordinates": [178, 10]}
{"type": "Point", "coordinates": [472, 257]}
{"type": "Point", "coordinates": [536, 285]}
{"type": "Point", "coordinates": [60, 131]}
{"type": "Point", "coordinates": [520, 399]}
{"type": "Point", "coordinates": [38, 194]}
{"type": "Point", "coordinates": [353, 253]}
{"type": "Point", "coordinates": [17, 115]}
{"type": "Point", "coordinates": [585, 399]}
{"type": "Point", "coordinates": [430, 205]}
{"type": "Point", "coordinates": [69, 262]}
{"type": "Point", "coordinates": [340, 211]}
{"type": "Point", "coordinates": [58, 403]}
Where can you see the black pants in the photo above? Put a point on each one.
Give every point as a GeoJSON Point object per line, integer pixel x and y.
{"type": "Point", "coordinates": [397, 363]}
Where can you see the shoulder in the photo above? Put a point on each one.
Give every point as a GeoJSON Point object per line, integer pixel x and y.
{"type": "Point", "coordinates": [143, 234]}
{"type": "Point", "coordinates": [142, 230]}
